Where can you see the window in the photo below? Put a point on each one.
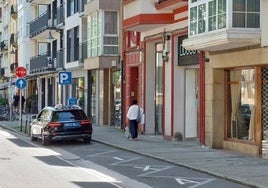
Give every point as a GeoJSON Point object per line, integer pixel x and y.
{"type": "Point", "coordinates": [73, 44]}
{"type": "Point", "coordinates": [246, 13]}
{"type": "Point", "coordinates": [72, 7]}
{"type": "Point", "coordinates": [111, 22]}
{"type": "Point", "coordinates": [201, 18]}
{"type": "Point", "coordinates": [240, 106]}
{"type": "Point", "coordinates": [95, 34]}
{"type": "Point", "coordinates": [216, 15]}
{"type": "Point", "coordinates": [110, 41]}
{"type": "Point", "coordinates": [207, 15]}
{"type": "Point", "coordinates": [103, 33]}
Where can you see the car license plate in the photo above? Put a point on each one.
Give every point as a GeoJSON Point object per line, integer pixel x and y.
{"type": "Point", "coordinates": [74, 124]}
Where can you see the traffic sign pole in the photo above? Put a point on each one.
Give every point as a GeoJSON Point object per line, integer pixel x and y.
{"type": "Point", "coordinates": [20, 113]}
{"type": "Point", "coordinates": [21, 83]}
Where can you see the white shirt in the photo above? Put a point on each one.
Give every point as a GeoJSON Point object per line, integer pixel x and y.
{"type": "Point", "coordinates": [133, 112]}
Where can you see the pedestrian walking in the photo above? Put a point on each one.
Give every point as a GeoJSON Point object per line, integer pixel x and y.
{"type": "Point", "coordinates": [16, 100]}
{"type": "Point", "coordinates": [134, 115]}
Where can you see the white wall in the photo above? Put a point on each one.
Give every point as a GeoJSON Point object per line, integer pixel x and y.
{"type": "Point", "coordinates": [150, 88]}
{"type": "Point", "coordinates": [264, 21]}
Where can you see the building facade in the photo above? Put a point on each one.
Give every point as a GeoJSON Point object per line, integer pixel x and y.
{"type": "Point", "coordinates": [158, 71]}
{"type": "Point", "coordinates": [200, 69]}
{"type": "Point", "coordinates": [75, 38]}
{"type": "Point", "coordinates": [233, 36]}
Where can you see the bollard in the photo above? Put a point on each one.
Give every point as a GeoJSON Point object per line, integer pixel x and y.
{"type": "Point", "coordinates": [26, 124]}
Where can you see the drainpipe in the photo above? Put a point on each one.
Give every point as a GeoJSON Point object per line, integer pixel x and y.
{"type": "Point", "coordinates": [202, 97]}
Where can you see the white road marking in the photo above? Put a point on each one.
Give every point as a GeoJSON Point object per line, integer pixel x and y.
{"type": "Point", "coordinates": [102, 153]}
{"type": "Point", "coordinates": [117, 158]}
{"type": "Point", "coordinates": [146, 168]}
{"type": "Point", "coordinates": [125, 161]}
{"type": "Point", "coordinates": [182, 181]}
{"type": "Point", "coordinates": [154, 169]}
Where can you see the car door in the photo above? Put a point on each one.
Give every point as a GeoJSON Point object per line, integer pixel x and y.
{"type": "Point", "coordinates": [40, 122]}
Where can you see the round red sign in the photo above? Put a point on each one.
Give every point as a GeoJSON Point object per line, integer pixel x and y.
{"type": "Point", "coordinates": [21, 72]}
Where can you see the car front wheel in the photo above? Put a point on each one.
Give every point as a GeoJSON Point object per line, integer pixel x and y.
{"type": "Point", "coordinates": [33, 138]}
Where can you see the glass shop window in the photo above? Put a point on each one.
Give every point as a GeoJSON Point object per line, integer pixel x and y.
{"type": "Point", "coordinates": [240, 93]}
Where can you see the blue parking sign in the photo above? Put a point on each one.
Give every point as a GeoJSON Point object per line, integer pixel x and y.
{"type": "Point", "coordinates": [72, 101]}
{"type": "Point", "coordinates": [65, 78]}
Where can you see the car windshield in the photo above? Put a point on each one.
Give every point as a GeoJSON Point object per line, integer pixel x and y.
{"type": "Point", "coordinates": [68, 115]}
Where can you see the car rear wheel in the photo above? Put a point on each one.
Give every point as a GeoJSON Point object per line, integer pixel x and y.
{"type": "Point", "coordinates": [46, 140]}
{"type": "Point", "coordinates": [87, 140]}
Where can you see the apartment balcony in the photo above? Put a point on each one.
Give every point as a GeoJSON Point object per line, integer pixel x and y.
{"type": "Point", "coordinates": [2, 72]}
{"type": "Point", "coordinates": [1, 24]}
{"type": "Point", "coordinates": [14, 11]}
{"type": "Point", "coordinates": [157, 14]}
{"type": "Point", "coordinates": [42, 64]}
{"type": "Point", "coordinates": [13, 67]}
{"type": "Point", "coordinates": [39, 26]}
{"type": "Point", "coordinates": [4, 46]}
{"type": "Point", "coordinates": [83, 51]}
{"type": "Point", "coordinates": [226, 28]}
{"type": "Point", "coordinates": [14, 39]}
{"type": "Point", "coordinates": [40, 1]}
{"type": "Point", "coordinates": [58, 60]}
{"type": "Point", "coordinates": [224, 40]}
{"type": "Point", "coordinates": [59, 15]}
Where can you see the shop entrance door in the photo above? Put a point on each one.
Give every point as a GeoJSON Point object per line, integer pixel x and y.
{"type": "Point", "coordinates": [191, 103]}
{"type": "Point", "coordinates": [158, 92]}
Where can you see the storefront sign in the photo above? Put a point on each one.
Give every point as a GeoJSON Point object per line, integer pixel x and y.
{"type": "Point", "coordinates": [186, 57]}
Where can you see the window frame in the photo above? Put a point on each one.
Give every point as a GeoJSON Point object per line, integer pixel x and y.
{"type": "Point", "coordinates": [222, 18]}
{"type": "Point", "coordinates": [246, 12]}
{"type": "Point", "coordinates": [98, 39]}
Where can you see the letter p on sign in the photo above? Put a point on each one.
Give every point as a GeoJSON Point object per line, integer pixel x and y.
{"type": "Point", "coordinates": [65, 78]}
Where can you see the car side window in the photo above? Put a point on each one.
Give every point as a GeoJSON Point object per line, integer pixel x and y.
{"type": "Point", "coordinates": [45, 114]}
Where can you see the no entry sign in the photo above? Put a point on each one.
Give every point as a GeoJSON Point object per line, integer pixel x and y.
{"type": "Point", "coordinates": [21, 72]}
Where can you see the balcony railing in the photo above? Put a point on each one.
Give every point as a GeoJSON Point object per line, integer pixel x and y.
{"type": "Point", "coordinates": [41, 64]}
{"type": "Point", "coordinates": [83, 51]}
{"type": "Point", "coordinates": [14, 39]}
{"type": "Point", "coordinates": [82, 5]}
{"type": "Point", "coordinates": [39, 24]}
{"type": "Point", "coordinates": [13, 11]}
{"type": "Point", "coordinates": [2, 72]}
{"type": "Point", "coordinates": [13, 67]}
{"type": "Point", "coordinates": [58, 60]}
{"type": "Point", "coordinates": [60, 15]}
{"type": "Point", "coordinates": [4, 45]}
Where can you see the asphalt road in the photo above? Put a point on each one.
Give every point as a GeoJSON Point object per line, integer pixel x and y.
{"type": "Point", "coordinates": [75, 164]}
{"type": "Point", "coordinates": [152, 172]}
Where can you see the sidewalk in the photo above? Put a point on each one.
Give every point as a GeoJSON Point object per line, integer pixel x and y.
{"type": "Point", "coordinates": [238, 167]}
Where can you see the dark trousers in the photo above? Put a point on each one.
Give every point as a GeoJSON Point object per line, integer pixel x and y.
{"type": "Point", "coordinates": [133, 128]}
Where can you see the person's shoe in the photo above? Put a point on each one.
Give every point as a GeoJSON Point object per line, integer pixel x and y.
{"type": "Point", "coordinates": [135, 139]}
